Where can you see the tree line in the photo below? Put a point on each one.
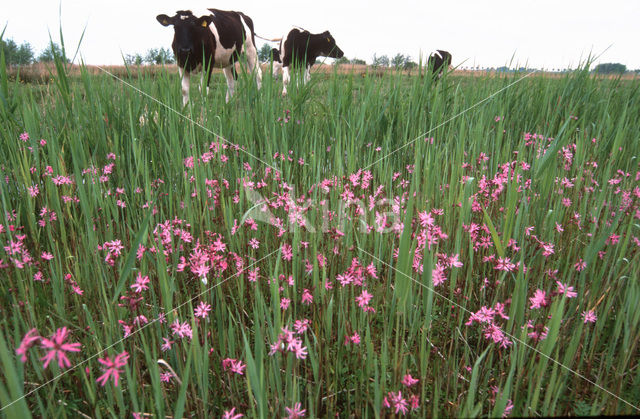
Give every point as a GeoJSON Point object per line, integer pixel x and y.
{"type": "Point", "coordinates": [399, 61]}
{"type": "Point", "coordinates": [24, 54]}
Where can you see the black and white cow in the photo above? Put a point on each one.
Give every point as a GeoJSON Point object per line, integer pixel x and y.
{"type": "Point", "coordinates": [215, 38]}
{"type": "Point", "coordinates": [439, 61]}
{"type": "Point", "coordinates": [300, 48]}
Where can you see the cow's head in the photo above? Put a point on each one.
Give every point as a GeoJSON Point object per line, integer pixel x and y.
{"type": "Point", "coordinates": [329, 47]}
{"type": "Point", "coordinates": [189, 32]}
{"type": "Point", "coordinates": [275, 55]}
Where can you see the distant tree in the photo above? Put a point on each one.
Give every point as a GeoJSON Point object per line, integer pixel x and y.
{"type": "Point", "coordinates": [343, 60]}
{"type": "Point", "coordinates": [408, 64]}
{"type": "Point", "coordinates": [134, 59]}
{"type": "Point", "coordinates": [25, 54]}
{"type": "Point", "coordinates": [52, 51]}
{"type": "Point", "coordinates": [16, 55]}
{"type": "Point", "coordinates": [398, 61]}
{"type": "Point", "coordinates": [264, 53]}
{"type": "Point", "coordinates": [159, 56]}
{"type": "Point", "coordinates": [382, 61]}
{"type": "Point", "coordinates": [358, 61]}
{"type": "Point", "coordinates": [610, 68]}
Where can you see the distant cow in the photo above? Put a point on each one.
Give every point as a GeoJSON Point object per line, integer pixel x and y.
{"type": "Point", "coordinates": [439, 61]}
{"type": "Point", "coordinates": [215, 39]}
{"type": "Point", "coordinates": [300, 48]}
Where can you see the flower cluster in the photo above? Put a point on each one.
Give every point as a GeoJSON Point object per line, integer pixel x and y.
{"type": "Point", "coordinates": [288, 342]}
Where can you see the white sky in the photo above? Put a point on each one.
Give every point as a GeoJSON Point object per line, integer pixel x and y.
{"type": "Point", "coordinates": [542, 34]}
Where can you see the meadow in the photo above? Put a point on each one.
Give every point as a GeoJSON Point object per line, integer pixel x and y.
{"type": "Point", "coordinates": [372, 245]}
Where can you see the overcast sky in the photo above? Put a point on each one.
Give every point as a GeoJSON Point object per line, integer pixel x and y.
{"type": "Point", "coordinates": [542, 34]}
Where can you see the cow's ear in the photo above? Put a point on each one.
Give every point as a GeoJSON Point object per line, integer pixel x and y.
{"type": "Point", "coordinates": [204, 21]}
{"type": "Point", "coordinates": [164, 20]}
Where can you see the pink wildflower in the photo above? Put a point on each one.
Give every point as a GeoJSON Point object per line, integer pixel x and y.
{"type": "Point", "coordinates": [29, 339]}
{"type": "Point", "coordinates": [57, 348]}
{"type": "Point", "coordinates": [307, 297]}
{"type": "Point", "coordinates": [284, 303]}
{"type": "Point", "coordinates": [301, 326]}
{"type": "Point", "coordinates": [141, 283]}
{"type": "Point", "coordinates": [364, 298]}
{"type": "Point", "coordinates": [298, 349]}
{"type": "Point", "coordinates": [539, 299]}
{"type": "Point", "coordinates": [233, 365]}
{"type": "Point", "coordinates": [231, 414]}
{"type": "Point", "coordinates": [112, 368]}
{"type": "Point", "coordinates": [437, 275]}
{"type": "Point", "coordinates": [426, 219]}
{"type": "Point", "coordinates": [504, 264]}
{"type": "Point", "coordinates": [295, 412]}
{"type": "Point", "coordinates": [167, 344]}
{"type": "Point", "coordinates": [409, 381]}
{"type": "Point", "coordinates": [202, 310]}
{"type": "Point", "coordinates": [508, 408]}
{"type": "Point", "coordinates": [589, 316]}
{"type": "Point", "coordinates": [415, 401]}
{"type": "Point", "coordinates": [33, 191]}
{"type": "Point", "coordinates": [568, 291]}
{"type": "Point", "coordinates": [547, 249]}
{"type": "Point", "coordinates": [287, 251]}
{"type": "Point", "coordinates": [181, 329]}
{"type": "Point", "coordinates": [397, 402]}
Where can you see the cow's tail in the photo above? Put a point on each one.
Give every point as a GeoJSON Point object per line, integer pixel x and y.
{"type": "Point", "coordinates": [267, 39]}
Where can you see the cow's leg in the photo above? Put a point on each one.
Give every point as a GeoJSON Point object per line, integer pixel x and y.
{"type": "Point", "coordinates": [307, 75]}
{"type": "Point", "coordinates": [231, 81]}
{"type": "Point", "coordinates": [254, 65]}
{"type": "Point", "coordinates": [202, 85]}
{"type": "Point", "coordinates": [185, 85]}
{"type": "Point", "coordinates": [277, 68]}
{"type": "Point", "coordinates": [285, 79]}
{"type": "Point", "coordinates": [205, 69]}
{"type": "Point", "coordinates": [251, 52]}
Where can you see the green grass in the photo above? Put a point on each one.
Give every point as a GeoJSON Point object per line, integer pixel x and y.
{"type": "Point", "coordinates": [338, 125]}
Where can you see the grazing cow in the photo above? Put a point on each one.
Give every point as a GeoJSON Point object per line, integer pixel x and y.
{"type": "Point", "coordinates": [300, 48]}
{"type": "Point", "coordinates": [214, 39]}
{"type": "Point", "coordinates": [277, 62]}
{"type": "Point", "coordinates": [439, 61]}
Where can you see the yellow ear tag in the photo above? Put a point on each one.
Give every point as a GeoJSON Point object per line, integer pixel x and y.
{"type": "Point", "coordinates": [328, 40]}
{"type": "Point", "coordinates": [205, 23]}
{"type": "Point", "coordinates": [165, 22]}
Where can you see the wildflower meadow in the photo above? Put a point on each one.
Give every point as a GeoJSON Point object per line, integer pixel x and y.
{"type": "Point", "coordinates": [372, 245]}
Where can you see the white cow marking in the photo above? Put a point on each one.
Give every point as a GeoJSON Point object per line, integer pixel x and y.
{"type": "Point", "coordinates": [231, 82]}
{"type": "Point", "coordinates": [222, 56]}
{"type": "Point", "coordinates": [252, 53]}
{"type": "Point", "coordinates": [185, 85]}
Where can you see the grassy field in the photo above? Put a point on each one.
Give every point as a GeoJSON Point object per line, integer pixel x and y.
{"type": "Point", "coordinates": [39, 73]}
{"type": "Point", "coordinates": [368, 246]}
